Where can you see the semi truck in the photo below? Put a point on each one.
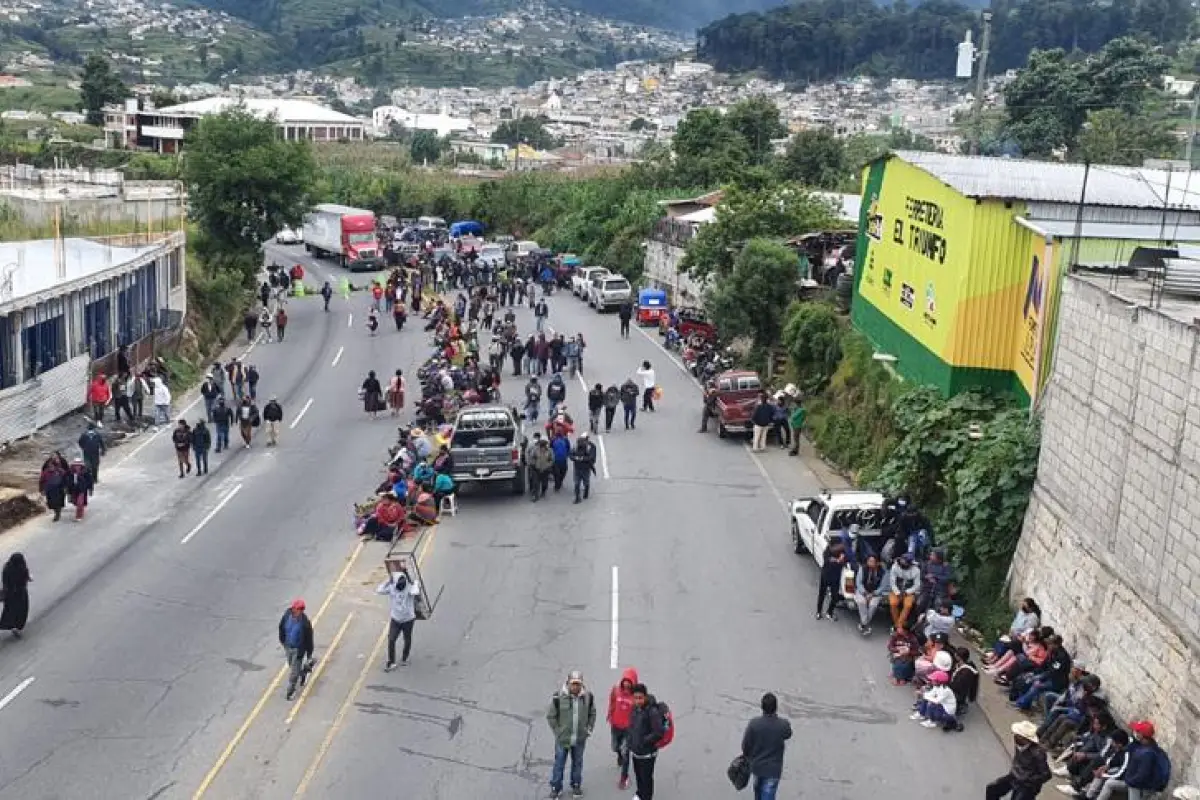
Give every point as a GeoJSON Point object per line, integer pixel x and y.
{"type": "Point", "coordinates": [345, 234]}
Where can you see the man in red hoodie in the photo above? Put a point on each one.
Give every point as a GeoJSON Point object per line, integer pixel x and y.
{"type": "Point", "coordinates": [620, 711]}
{"type": "Point", "coordinates": [99, 396]}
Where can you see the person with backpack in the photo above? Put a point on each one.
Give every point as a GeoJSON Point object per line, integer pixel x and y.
{"type": "Point", "coordinates": [1149, 769]}
{"type": "Point", "coordinates": [571, 716]}
{"type": "Point", "coordinates": [619, 716]}
{"type": "Point", "coordinates": [650, 730]}
{"type": "Point", "coordinates": [612, 399]}
{"type": "Point", "coordinates": [629, 397]}
{"type": "Point", "coordinates": [533, 398]}
{"type": "Point", "coordinates": [762, 747]}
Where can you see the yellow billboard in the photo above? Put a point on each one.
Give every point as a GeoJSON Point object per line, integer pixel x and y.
{"type": "Point", "coordinates": [918, 245]}
{"type": "Point", "coordinates": [1029, 360]}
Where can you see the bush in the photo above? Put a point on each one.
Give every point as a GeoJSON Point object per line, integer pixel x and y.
{"type": "Point", "coordinates": [812, 336]}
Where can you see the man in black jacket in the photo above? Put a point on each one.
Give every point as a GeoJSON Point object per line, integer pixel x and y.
{"type": "Point", "coordinates": [1029, 770]}
{"type": "Point", "coordinates": [272, 414]}
{"type": "Point", "coordinates": [625, 312]}
{"type": "Point", "coordinates": [222, 419]}
{"type": "Point", "coordinates": [296, 637]}
{"type": "Point", "coordinates": [646, 728]}
{"type": "Point", "coordinates": [762, 747]}
{"type": "Point", "coordinates": [92, 445]}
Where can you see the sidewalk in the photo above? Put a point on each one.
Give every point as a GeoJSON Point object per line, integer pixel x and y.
{"type": "Point", "coordinates": [992, 705]}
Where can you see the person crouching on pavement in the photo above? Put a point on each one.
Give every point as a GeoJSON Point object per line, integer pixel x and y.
{"type": "Point", "coordinates": [296, 637]}
{"type": "Point", "coordinates": [620, 713]}
{"type": "Point", "coordinates": [572, 716]}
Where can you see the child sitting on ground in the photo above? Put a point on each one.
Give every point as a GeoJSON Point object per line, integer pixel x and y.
{"type": "Point", "coordinates": [937, 705]}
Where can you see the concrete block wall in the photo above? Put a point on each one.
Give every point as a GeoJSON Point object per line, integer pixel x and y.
{"type": "Point", "coordinates": [1110, 547]}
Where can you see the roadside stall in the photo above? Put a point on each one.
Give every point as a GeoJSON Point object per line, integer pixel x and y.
{"type": "Point", "coordinates": [651, 307]}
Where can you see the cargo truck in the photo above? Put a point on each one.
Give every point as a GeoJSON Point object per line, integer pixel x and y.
{"type": "Point", "coordinates": [345, 234]}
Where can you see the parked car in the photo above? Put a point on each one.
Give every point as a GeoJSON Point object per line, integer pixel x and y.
{"type": "Point", "coordinates": [581, 281]}
{"type": "Point", "coordinates": [286, 236]}
{"type": "Point", "coordinates": [488, 447]}
{"type": "Point", "coordinates": [519, 250]}
{"type": "Point", "coordinates": [737, 395]}
{"type": "Point", "coordinates": [492, 254]}
{"type": "Point", "coordinates": [815, 521]}
{"type": "Point", "coordinates": [609, 291]}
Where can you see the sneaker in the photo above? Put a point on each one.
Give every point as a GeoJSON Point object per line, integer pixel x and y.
{"type": "Point", "coordinates": [389, 666]}
{"type": "Point", "coordinates": [928, 724]}
{"type": "Point", "coordinates": [1068, 790]}
{"type": "Point", "coordinates": [404, 662]}
{"type": "Point", "coordinates": [577, 791]}
{"type": "Point", "coordinates": [820, 615]}
{"type": "Point", "coordinates": [833, 616]}
{"type": "Point", "coordinates": [1060, 771]}
{"type": "Point", "coordinates": [555, 794]}
{"type": "Point", "coordinates": [916, 715]}
{"type": "Point", "coordinates": [291, 692]}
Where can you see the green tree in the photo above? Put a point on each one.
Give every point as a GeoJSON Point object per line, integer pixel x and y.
{"type": "Point", "coordinates": [528, 130]}
{"type": "Point", "coordinates": [426, 147]}
{"type": "Point", "coordinates": [781, 211]}
{"type": "Point", "coordinates": [708, 151]}
{"type": "Point", "coordinates": [244, 184]}
{"type": "Point", "coordinates": [1111, 136]}
{"type": "Point", "coordinates": [812, 337]}
{"type": "Point", "coordinates": [757, 120]}
{"type": "Point", "coordinates": [639, 124]}
{"type": "Point", "coordinates": [100, 86]}
{"type": "Point", "coordinates": [753, 298]}
{"type": "Point", "coordinates": [816, 158]}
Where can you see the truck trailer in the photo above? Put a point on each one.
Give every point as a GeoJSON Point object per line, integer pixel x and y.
{"type": "Point", "coordinates": [345, 234]}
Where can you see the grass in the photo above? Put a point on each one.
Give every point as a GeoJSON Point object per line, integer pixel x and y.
{"type": "Point", "coordinates": [44, 98]}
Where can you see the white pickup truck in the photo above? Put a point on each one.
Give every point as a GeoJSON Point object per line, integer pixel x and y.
{"type": "Point", "coordinates": [581, 281]}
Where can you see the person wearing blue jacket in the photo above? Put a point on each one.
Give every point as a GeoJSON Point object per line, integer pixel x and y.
{"type": "Point", "coordinates": [1149, 769]}
{"type": "Point", "coordinates": [560, 445]}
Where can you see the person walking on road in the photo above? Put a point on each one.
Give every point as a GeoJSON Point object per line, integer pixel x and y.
{"type": "Point", "coordinates": [201, 442]}
{"type": "Point", "coordinates": [402, 591]}
{"type": "Point", "coordinates": [709, 407]}
{"type": "Point", "coordinates": [264, 322]}
{"type": "Point", "coordinates": [162, 401]}
{"type": "Point", "coordinates": [281, 321]}
{"type": "Point", "coordinates": [222, 419]}
{"type": "Point", "coordinates": [595, 402]}
{"type": "Point", "coordinates": [625, 312]}
{"type": "Point", "coordinates": [326, 294]}
{"type": "Point", "coordinates": [395, 394]}
{"type": "Point", "coordinates": [52, 483]}
{"type": "Point", "coordinates": [646, 729]}
{"type": "Point", "coordinates": [79, 486]}
{"type": "Point", "coordinates": [296, 637]}
{"type": "Point", "coordinates": [99, 395]}
{"type": "Point", "coordinates": [91, 444]}
{"type": "Point", "coordinates": [584, 458]}
{"type": "Point", "coordinates": [14, 591]}
{"type": "Point", "coordinates": [139, 390]}
{"type": "Point", "coordinates": [252, 377]}
{"type": "Point", "coordinates": [762, 747]}
{"type": "Point", "coordinates": [649, 384]}
{"type": "Point", "coordinates": [620, 714]}
{"type": "Point", "coordinates": [560, 446]}
{"type": "Point", "coordinates": [250, 322]}
{"type": "Point", "coordinates": [629, 398]}
{"type": "Point", "coordinates": [541, 461]}
{"type": "Point", "coordinates": [612, 399]}
{"type": "Point", "coordinates": [248, 420]}
{"type": "Point", "coordinates": [541, 313]}
{"type": "Point", "coordinates": [572, 716]}
{"type": "Point", "coordinates": [119, 386]}
{"type": "Point", "coordinates": [210, 392]}
{"type": "Point", "coordinates": [272, 414]}
{"type": "Point", "coordinates": [181, 437]}
{"type": "Point", "coordinates": [1029, 771]}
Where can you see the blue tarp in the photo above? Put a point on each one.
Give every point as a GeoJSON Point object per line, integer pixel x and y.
{"type": "Point", "coordinates": [466, 228]}
{"type": "Point", "coordinates": [571, 261]}
{"type": "Point", "coordinates": [652, 298]}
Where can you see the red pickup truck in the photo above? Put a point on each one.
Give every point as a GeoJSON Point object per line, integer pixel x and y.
{"type": "Point", "coordinates": [737, 396]}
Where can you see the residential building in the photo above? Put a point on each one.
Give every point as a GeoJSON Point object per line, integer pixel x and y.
{"type": "Point", "coordinates": [441, 124]}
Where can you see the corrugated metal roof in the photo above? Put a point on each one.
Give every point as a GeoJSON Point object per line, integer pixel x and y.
{"type": "Point", "coordinates": [1132, 231]}
{"type": "Point", "coordinates": [1053, 182]}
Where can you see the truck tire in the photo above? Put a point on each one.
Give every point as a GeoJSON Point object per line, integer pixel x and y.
{"type": "Point", "coordinates": [797, 545]}
{"type": "Point", "coordinates": [308, 248]}
{"type": "Point", "coordinates": [721, 432]}
{"type": "Point", "coordinates": [518, 483]}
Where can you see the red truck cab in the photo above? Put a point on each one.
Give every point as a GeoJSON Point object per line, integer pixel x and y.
{"type": "Point", "coordinates": [737, 396]}
{"type": "Point", "coordinates": [359, 242]}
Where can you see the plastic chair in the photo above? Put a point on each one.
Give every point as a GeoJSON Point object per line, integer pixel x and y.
{"type": "Point", "coordinates": [449, 504]}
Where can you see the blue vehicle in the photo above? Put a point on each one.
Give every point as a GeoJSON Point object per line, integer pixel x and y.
{"type": "Point", "coordinates": [652, 306]}
{"type": "Point", "coordinates": [466, 228]}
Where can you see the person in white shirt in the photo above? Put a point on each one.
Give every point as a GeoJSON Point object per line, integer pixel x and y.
{"type": "Point", "coordinates": [646, 376]}
{"type": "Point", "coordinates": [938, 704]}
{"type": "Point", "coordinates": [162, 401]}
{"type": "Point", "coordinates": [403, 592]}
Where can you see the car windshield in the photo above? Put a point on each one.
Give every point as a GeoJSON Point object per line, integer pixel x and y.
{"type": "Point", "coordinates": [612, 285]}
{"type": "Point", "coordinates": [869, 520]}
{"type": "Point", "coordinates": [362, 238]}
{"type": "Point", "coordinates": [491, 250]}
{"type": "Point", "coordinates": [815, 510]}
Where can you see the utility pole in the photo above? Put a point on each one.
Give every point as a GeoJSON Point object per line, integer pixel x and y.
{"type": "Point", "coordinates": [1187, 150]}
{"type": "Point", "coordinates": [981, 82]}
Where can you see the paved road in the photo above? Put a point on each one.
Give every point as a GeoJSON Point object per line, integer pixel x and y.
{"type": "Point", "coordinates": [153, 662]}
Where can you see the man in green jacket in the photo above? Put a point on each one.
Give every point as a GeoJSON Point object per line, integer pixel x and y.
{"type": "Point", "coordinates": [796, 423]}
{"type": "Point", "coordinates": [572, 715]}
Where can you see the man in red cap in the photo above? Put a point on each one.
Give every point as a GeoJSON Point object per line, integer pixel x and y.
{"type": "Point", "coordinates": [296, 637]}
{"type": "Point", "coordinates": [1149, 769]}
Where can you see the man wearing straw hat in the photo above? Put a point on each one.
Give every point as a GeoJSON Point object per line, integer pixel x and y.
{"type": "Point", "coordinates": [1029, 771]}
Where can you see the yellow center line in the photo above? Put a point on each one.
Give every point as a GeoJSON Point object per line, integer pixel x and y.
{"type": "Point", "coordinates": [337, 639]}
{"type": "Point", "coordinates": [223, 759]}
{"type": "Point", "coordinates": [335, 728]}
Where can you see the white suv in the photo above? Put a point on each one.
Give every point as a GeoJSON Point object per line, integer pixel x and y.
{"type": "Point", "coordinates": [609, 291]}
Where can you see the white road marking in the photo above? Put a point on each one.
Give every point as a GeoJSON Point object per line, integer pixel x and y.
{"type": "Point", "coordinates": [603, 457]}
{"type": "Point", "coordinates": [613, 655]}
{"type": "Point", "coordinates": [582, 382]}
{"type": "Point", "coordinates": [22, 686]}
{"type": "Point", "coordinates": [762, 470]}
{"type": "Point", "coordinates": [300, 416]}
{"type": "Point", "coordinates": [158, 432]}
{"type": "Point", "coordinates": [350, 321]}
{"type": "Point", "coordinates": [208, 517]}
{"type": "Point", "coordinates": [338, 357]}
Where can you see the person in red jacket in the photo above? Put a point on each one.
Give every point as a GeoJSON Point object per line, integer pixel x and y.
{"type": "Point", "coordinates": [620, 712]}
{"type": "Point", "coordinates": [99, 395]}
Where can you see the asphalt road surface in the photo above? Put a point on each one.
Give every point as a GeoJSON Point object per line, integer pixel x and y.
{"type": "Point", "coordinates": [150, 668]}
